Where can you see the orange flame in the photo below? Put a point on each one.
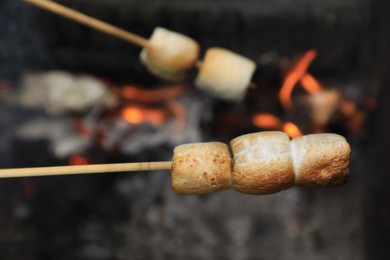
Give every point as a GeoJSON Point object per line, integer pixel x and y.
{"type": "Point", "coordinates": [267, 121]}
{"type": "Point", "coordinates": [291, 129]}
{"type": "Point", "coordinates": [150, 96]}
{"type": "Point", "coordinates": [310, 84]}
{"type": "Point", "coordinates": [132, 115]}
{"type": "Point", "coordinates": [136, 115]}
{"type": "Point", "coordinates": [294, 75]}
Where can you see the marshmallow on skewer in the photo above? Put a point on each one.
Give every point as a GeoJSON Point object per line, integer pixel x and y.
{"type": "Point", "coordinates": [200, 168]}
{"type": "Point", "coordinates": [262, 163]}
{"type": "Point", "coordinates": [320, 160]}
{"type": "Point", "coordinates": [225, 74]}
{"type": "Point", "coordinates": [169, 54]}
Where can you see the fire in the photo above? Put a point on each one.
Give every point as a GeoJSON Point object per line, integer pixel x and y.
{"type": "Point", "coordinates": [269, 121]}
{"type": "Point", "coordinates": [310, 84]}
{"type": "Point", "coordinates": [150, 96]}
{"type": "Point", "coordinates": [291, 129]}
{"type": "Point", "coordinates": [299, 73]}
{"type": "Point", "coordinates": [132, 115]}
{"type": "Point", "coordinates": [78, 160]}
{"type": "Point", "coordinates": [266, 121]}
{"type": "Point", "coordinates": [137, 115]}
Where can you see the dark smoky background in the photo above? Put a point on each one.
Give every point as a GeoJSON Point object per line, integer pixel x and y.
{"type": "Point", "coordinates": [136, 215]}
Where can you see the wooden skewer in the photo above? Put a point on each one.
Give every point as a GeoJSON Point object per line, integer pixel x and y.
{"type": "Point", "coordinates": [84, 169]}
{"type": "Point", "coordinates": [90, 21]}
{"type": "Point", "coordinates": [97, 24]}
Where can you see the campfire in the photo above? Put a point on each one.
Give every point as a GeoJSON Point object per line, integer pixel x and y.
{"type": "Point", "coordinates": [72, 96]}
{"type": "Point", "coordinates": [315, 108]}
{"type": "Point", "coordinates": [126, 118]}
{"type": "Point", "coordinates": [122, 119]}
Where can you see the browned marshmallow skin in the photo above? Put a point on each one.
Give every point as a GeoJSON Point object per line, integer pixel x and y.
{"type": "Point", "coordinates": [320, 160]}
{"type": "Point", "coordinates": [262, 163]}
{"type": "Point", "coordinates": [200, 168]}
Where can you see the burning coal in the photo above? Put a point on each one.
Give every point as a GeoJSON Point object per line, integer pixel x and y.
{"type": "Point", "coordinates": [125, 118]}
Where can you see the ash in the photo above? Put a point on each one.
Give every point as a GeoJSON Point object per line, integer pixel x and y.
{"type": "Point", "coordinates": [57, 95]}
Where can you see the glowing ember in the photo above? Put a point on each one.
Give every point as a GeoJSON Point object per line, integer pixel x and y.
{"type": "Point", "coordinates": [137, 115]}
{"type": "Point", "coordinates": [348, 107]}
{"type": "Point", "coordinates": [150, 96]}
{"type": "Point", "coordinates": [295, 75]}
{"type": "Point", "coordinates": [291, 129]}
{"type": "Point", "coordinates": [132, 115]}
{"type": "Point", "coordinates": [266, 121]}
{"type": "Point", "coordinates": [78, 160]}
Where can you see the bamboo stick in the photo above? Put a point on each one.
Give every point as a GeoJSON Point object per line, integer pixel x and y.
{"type": "Point", "coordinates": [90, 21]}
{"type": "Point", "coordinates": [84, 169]}
{"type": "Point", "coordinates": [98, 25]}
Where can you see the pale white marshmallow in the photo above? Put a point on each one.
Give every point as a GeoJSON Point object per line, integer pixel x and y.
{"type": "Point", "coordinates": [225, 74]}
{"type": "Point", "coordinates": [169, 54]}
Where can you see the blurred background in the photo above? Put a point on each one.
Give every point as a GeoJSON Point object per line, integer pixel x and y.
{"type": "Point", "coordinates": [72, 95]}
